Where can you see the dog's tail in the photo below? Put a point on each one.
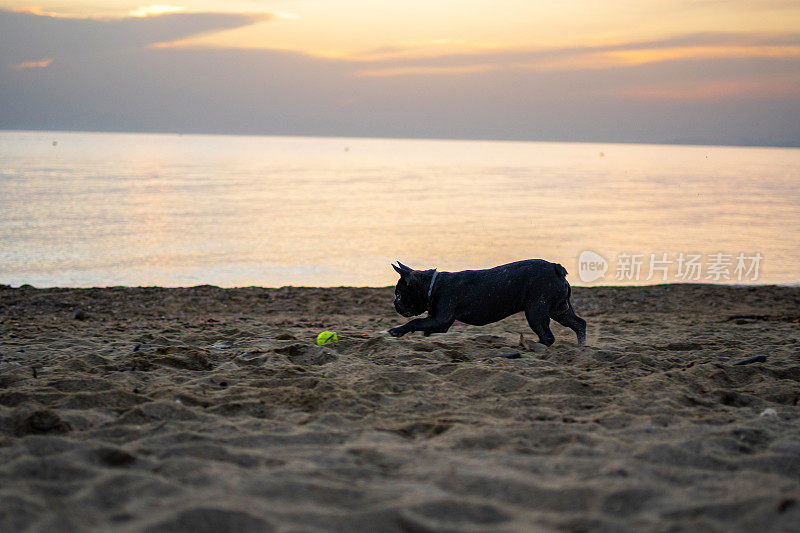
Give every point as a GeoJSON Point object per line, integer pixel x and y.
{"type": "Point", "coordinates": [560, 270]}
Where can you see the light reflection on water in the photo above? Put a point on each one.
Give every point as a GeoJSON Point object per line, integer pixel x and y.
{"type": "Point", "coordinates": [132, 209]}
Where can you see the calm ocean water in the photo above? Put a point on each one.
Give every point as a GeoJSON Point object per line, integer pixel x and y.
{"type": "Point", "coordinates": [98, 209]}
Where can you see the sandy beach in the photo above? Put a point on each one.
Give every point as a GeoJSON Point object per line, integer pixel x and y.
{"type": "Point", "coordinates": [207, 409]}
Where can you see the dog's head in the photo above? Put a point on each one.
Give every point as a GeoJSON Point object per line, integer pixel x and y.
{"type": "Point", "coordinates": [410, 296]}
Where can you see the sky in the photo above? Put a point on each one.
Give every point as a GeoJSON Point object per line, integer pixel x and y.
{"type": "Point", "coordinates": [652, 71]}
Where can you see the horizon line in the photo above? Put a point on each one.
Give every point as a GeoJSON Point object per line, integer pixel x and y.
{"type": "Point", "coordinates": [765, 144]}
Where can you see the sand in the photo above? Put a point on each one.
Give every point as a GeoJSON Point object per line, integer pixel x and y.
{"type": "Point", "coordinates": [203, 409]}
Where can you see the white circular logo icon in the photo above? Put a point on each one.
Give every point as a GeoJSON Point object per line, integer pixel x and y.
{"type": "Point", "coordinates": [591, 266]}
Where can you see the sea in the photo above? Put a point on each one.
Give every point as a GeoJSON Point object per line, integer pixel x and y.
{"type": "Point", "coordinates": [107, 209]}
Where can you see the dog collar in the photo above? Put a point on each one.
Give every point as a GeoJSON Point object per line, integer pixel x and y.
{"type": "Point", "coordinates": [430, 288]}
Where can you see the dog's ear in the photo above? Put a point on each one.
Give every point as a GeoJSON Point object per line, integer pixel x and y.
{"type": "Point", "coordinates": [401, 269]}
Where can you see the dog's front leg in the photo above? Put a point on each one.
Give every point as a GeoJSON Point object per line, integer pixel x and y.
{"type": "Point", "coordinates": [427, 325]}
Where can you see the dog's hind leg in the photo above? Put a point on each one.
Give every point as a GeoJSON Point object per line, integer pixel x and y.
{"type": "Point", "coordinates": [539, 321]}
{"type": "Point", "coordinates": [569, 319]}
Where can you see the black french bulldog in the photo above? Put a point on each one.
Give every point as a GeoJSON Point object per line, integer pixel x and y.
{"type": "Point", "coordinates": [480, 297]}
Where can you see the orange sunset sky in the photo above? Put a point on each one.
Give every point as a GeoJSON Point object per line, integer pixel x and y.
{"type": "Point", "coordinates": [699, 71]}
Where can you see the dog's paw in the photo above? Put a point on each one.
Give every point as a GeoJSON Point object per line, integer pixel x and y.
{"type": "Point", "coordinates": [397, 332]}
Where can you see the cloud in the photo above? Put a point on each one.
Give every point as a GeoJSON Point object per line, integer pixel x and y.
{"type": "Point", "coordinates": [719, 44]}
{"type": "Point", "coordinates": [122, 83]}
{"type": "Point", "coordinates": [30, 37]}
{"type": "Point", "coordinates": [157, 9]}
{"type": "Point", "coordinates": [779, 86]}
{"type": "Point", "coordinates": [34, 64]}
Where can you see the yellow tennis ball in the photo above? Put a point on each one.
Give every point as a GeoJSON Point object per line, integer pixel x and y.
{"type": "Point", "coordinates": [326, 336]}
